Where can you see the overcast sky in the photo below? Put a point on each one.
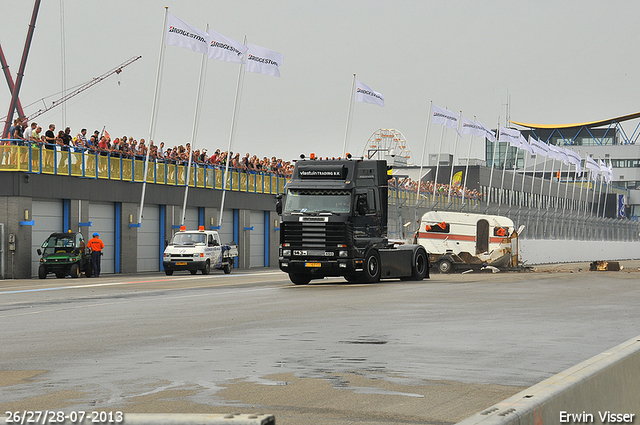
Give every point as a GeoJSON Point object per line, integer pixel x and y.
{"type": "Point", "coordinates": [557, 62]}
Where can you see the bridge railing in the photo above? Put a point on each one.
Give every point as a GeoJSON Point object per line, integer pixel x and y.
{"type": "Point", "coordinates": [87, 164]}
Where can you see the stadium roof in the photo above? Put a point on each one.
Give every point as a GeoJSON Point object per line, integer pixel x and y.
{"type": "Point", "coordinates": [583, 124]}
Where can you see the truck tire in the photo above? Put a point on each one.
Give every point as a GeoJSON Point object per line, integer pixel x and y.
{"type": "Point", "coordinates": [371, 273]}
{"type": "Point", "coordinates": [42, 272]}
{"type": "Point", "coordinates": [75, 271]}
{"type": "Point", "coordinates": [168, 272]}
{"type": "Point", "coordinates": [444, 266]}
{"type": "Point", "coordinates": [207, 268]}
{"type": "Point", "coordinates": [227, 268]}
{"type": "Point", "coordinates": [299, 279]}
{"type": "Point", "coordinates": [420, 266]}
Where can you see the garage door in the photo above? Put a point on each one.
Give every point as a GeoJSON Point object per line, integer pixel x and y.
{"type": "Point", "coordinates": [47, 219]}
{"type": "Point", "coordinates": [149, 240]}
{"type": "Point", "coordinates": [257, 239]}
{"type": "Point", "coordinates": [102, 218]}
{"type": "Point", "coordinates": [226, 231]}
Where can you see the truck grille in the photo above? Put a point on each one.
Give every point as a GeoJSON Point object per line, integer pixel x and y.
{"type": "Point", "coordinates": [315, 235]}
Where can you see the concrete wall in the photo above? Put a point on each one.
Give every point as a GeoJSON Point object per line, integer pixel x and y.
{"type": "Point", "coordinates": [607, 382]}
{"type": "Point", "coordinates": [541, 251]}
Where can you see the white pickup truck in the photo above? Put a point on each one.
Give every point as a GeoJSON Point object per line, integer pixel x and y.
{"type": "Point", "coordinates": [198, 250]}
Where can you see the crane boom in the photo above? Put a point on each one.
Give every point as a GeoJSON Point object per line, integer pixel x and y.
{"type": "Point", "coordinates": [85, 86]}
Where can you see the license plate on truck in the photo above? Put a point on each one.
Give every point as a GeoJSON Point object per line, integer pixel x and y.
{"type": "Point", "coordinates": [181, 263]}
{"type": "Point", "coordinates": [313, 264]}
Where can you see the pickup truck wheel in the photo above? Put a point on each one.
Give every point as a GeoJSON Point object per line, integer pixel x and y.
{"type": "Point", "coordinates": [75, 271]}
{"type": "Point", "coordinates": [207, 268]}
{"type": "Point", "coordinates": [227, 268]}
{"type": "Point", "coordinates": [168, 272]}
{"type": "Point", "coordinates": [42, 272]}
{"type": "Point", "coordinates": [371, 273]}
{"type": "Point", "coordinates": [444, 266]}
{"type": "Point", "coordinates": [299, 279]}
{"type": "Point", "coordinates": [420, 265]}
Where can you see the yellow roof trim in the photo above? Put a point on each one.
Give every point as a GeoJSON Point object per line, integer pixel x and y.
{"type": "Point", "coordinates": [584, 124]}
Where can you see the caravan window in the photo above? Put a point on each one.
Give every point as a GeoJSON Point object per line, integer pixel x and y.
{"type": "Point", "coordinates": [442, 227]}
{"type": "Point", "coordinates": [501, 231]}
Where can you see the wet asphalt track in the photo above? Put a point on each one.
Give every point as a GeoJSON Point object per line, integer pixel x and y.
{"type": "Point", "coordinates": [435, 351]}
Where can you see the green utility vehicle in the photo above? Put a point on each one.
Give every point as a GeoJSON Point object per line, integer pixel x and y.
{"type": "Point", "coordinates": [64, 254]}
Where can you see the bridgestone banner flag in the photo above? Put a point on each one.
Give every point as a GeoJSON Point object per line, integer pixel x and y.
{"type": "Point", "coordinates": [184, 35]}
{"type": "Point", "coordinates": [477, 129]}
{"type": "Point", "coordinates": [444, 117]}
{"type": "Point", "coordinates": [226, 49]}
{"type": "Point", "coordinates": [539, 147]}
{"type": "Point", "coordinates": [366, 95]}
{"type": "Point", "coordinates": [263, 61]}
{"type": "Point", "coordinates": [510, 135]}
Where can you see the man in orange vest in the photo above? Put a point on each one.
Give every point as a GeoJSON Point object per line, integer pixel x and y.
{"type": "Point", "coordinates": [96, 246]}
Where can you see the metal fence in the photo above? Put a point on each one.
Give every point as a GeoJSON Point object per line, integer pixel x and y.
{"type": "Point", "coordinates": [100, 166]}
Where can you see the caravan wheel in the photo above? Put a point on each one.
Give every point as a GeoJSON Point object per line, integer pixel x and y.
{"type": "Point", "coordinates": [444, 266]}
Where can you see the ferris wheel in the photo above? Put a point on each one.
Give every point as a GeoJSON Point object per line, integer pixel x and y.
{"type": "Point", "coordinates": [389, 144]}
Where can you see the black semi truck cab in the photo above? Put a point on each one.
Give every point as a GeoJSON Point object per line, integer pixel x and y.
{"type": "Point", "coordinates": [333, 222]}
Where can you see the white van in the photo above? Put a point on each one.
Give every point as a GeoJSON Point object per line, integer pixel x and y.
{"type": "Point", "coordinates": [198, 250]}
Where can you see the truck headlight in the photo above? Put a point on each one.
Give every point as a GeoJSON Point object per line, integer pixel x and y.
{"type": "Point", "coordinates": [286, 253]}
{"type": "Point", "coordinates": [343, 253]}
{"type": "Point", "coordinates": [196, 255]}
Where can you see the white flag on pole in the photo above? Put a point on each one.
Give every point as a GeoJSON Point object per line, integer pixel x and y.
{"type": "Point", "coordinates": [510, 135]}
{"type": "Point", "coordinates": [181, 34]}
{"type": "Point", "coordinates": [263, 61]}
{"type": "Point", "coordinates": [540, 148]}
{"type": "Point", "coordinates": [226, 49]}
{"type": "Point", "coordinates": [366, 95]}
{"type": "Point", "coordinates": [445, 117]}
{"type": "Point", "coordinates": [477, 129]}
{"type": "Point", "coordinates": [525, 145]}
{"type": "Point", "coordinates": [559, 154]}
{"type": "Point", "coordinates": [609, 173]}
{"type": "Point", "coordinates": [592, 165]}
{"type": "Point", "coordinates": [575, 159]}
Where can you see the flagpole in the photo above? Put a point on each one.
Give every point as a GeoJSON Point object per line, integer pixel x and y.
{"type": "Point", "coordinates": [435, 178]}
{"type": "Point", "coordinates": [234, 119]}
{"type": "Point", "coordinates": [154, 112]}
{"type": "Point", "coordinates": [194, 131]}
{"type": "Point", "coordinates": [604, 205]}
{"type": "Point", "coordinates": [466, 168]}
{"type": "Point", "coordinates": [558, 191]}
{"type": "Point", "coordinates": [424, 148]}
{"type": "Point", "coordinates": [349, 114]}
{"type": "Point", "coordinates": [453, 158]}
{"type": "Point", "coordinates": [493, 165]}
{"type": "Point", "coordinates": [533, 174]}
{"type": "Point", "coordinates": [513, 179]}
{"type": "Point", "coordinates": [504, 167]}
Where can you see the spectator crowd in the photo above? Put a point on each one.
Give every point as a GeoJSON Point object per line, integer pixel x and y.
{"type": "Point", "coordinates": [441, 188]}
{"type": "Point", "coordinates": [23, 134]}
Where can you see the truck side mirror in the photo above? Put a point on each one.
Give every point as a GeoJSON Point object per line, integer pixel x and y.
{"type": "Point", "coordinates": [39, 251]}
{"type": "Point", "coordinates": [361, 205]}
{"type": "Point", "coordinates": [279, 204]}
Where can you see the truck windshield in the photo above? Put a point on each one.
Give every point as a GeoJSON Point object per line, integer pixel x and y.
{"type": "Point", "coordinates": [188, 239]}
{"type": "Point", "coordinates": [318, 201]}
{"type": "Point", "coordinates": [59, 243]}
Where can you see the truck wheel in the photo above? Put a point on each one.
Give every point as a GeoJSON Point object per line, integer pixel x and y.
{"type": "Point", "coordinates": [168, 272]}
{"type": "Point", "coordinates": [420, 265]}
{"type": "Point", "coordinates": [75, 271]}
{"type": "Point", "coordinates": [444, 266]}
{"type": "Point", "coordinates": [371, 272]}
{"type": "Point", "coordinates": [299, 279]}
{"type": "Point", "coordinates": [207, 268]}
{"type": "Point", "coordinates": [42, 272]}
{"type": "Point", "coordinates": [227, 268]}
